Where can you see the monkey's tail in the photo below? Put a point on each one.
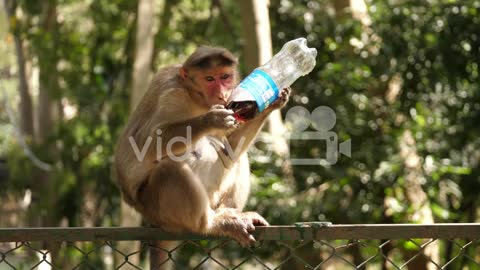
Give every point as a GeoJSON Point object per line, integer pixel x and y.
{"type": "Point", "coordinates": [160, 254]}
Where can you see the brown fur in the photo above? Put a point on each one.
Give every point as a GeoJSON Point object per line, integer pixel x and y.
{"type": "Point", "coordinates": [204, 193]}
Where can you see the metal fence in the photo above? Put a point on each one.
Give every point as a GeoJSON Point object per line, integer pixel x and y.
{"type": "Point", "coordinates": [305, 246]}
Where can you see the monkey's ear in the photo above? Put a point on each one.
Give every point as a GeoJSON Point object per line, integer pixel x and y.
{"type": "Point", "coordinates": [183, 73]}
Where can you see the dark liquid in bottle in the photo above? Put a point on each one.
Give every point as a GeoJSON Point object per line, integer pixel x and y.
{"type": "Point", "coordinates": [243, 110]}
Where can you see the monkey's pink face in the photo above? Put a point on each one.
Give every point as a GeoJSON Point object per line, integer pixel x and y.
{"type": "Point", "coordinates": [216, 84]}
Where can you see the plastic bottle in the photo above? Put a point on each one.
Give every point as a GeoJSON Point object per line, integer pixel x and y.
{"type": "Point", "coordinates": [261, 87]}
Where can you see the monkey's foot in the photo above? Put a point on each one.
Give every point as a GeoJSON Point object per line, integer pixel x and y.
{"type": "Point", "coordinates": [255, 218]}
{"type": "Point", "coordinates": [239, 226]}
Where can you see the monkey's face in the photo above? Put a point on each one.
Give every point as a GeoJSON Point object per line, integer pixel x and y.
{"type": "Point", "coordinates": [212, 86]}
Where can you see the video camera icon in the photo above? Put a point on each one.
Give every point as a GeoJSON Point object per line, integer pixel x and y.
{"type": "Point", "coordinates": [322, 119]}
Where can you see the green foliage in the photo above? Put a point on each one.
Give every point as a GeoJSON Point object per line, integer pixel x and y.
{"type": "Point", "coordinates": [91, 47]}
{"type": "Point", "coordinates": [431, 46]}
{"type": "Point", "coordinates": [434, 49]}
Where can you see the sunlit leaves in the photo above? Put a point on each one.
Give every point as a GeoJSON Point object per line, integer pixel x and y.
{"type": "Point", "coordinates": [433, 47]}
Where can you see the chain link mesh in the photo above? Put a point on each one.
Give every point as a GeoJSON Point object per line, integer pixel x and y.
{"type": "Point", "coordinates": [227, 254]}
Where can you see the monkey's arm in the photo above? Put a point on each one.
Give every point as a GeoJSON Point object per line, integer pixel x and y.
{"type": "Point", "coordinates": [190, 131]}
{"type": "Point", "coordinates": [177, 137]}
{"type": "Point", "coordinates": [240, 139]}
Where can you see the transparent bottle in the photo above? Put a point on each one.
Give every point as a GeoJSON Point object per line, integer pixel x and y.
{"type": "Point", "coordinates": [261, 87]}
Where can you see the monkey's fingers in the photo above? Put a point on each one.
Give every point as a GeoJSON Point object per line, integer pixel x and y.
{"type": "Point", "coordinates": [285, 94]}
{"type": "Point", "coordinates": [250, 222]}
{"type": "Point", "coordinates": [246, 239]}
{"type": "Point", "coordinates": [251, 240]}
{"type": "Point", "coordinates": [277, 103]}
{"type": "Point", "coordinates": [281, 100]}
{"type": "Point", "coordinates": [242, 236]}
{"type": "Point", "coordinates": [230, 118]}
{"type": "Point", "coordinates": [222, 112]}
{"type": "Point", "coordinates": [220, 118]}
{"type": "Point", "coordinates": [260, 222]}
{"type": "Point", "coordinates": [287, 90]}
{"type": "Point", "coordinates": [250, 227]}
{"type": "Point", "coordinates": [217, 107]}
{"type": "Point", "coordinates": [256, 219]}
{"type": "Point", "coordinates": [231, 122]}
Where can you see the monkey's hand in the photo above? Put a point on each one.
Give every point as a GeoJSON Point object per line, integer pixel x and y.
{"type": "Point", "coordinates": [281, 100]}
{"type": "Point", "coordinates": [220, 118]}
{"type": "Point", "coordinates": [239, 226]}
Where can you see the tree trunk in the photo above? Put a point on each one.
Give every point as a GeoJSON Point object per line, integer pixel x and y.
{"type": "Point", "coordinates": [143, 52]}
{"type": "Point", "coordinates": [140, 79]}
{"type": "Point", "coordinates": [47, 108]}
{"type": "Point", "coordinates": [257, 35]}
{"type": "Point", "coordinates": [161, 37]}
{"type": "Point", "coordinates": [257, 51]}
{"type": "Point", "coordinates": [416, 196]}
{"type": "Point", "coordinates": [418, 199]}
{"type": "Point", "coordinates": [26, 111]}
{"type": "Point", "coordinates": [48, 115]}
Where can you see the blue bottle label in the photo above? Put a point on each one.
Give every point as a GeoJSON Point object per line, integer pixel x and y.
{"type": "Point", "coordinates": [262, 87]}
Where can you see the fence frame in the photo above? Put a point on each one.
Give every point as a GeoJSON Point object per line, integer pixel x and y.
{"type": "Point", "coordinates": [286, 233]}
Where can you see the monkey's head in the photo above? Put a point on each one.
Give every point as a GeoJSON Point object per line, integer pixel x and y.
{"type": "Point", "coordinates": [210, 75]}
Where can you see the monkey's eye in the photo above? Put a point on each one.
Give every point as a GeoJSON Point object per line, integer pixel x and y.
{"type": "Point", "coordinates": [225, 76]}
{"type": "Point", "coordinates": [210, 78]}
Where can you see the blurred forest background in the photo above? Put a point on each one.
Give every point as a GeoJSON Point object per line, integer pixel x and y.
{"type": "Point", "coordinates": [401, 75]}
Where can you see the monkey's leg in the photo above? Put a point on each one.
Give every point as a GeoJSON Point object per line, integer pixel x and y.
{"type": "Point", "coordinates": [175, 199]}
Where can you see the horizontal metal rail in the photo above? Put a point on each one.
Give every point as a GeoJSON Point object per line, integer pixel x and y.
{"type": "Point", "coordinates": [307, 231]}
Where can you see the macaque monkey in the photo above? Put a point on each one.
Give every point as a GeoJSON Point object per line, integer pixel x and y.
{"type": "Point", "coordinates": [192, 174]}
